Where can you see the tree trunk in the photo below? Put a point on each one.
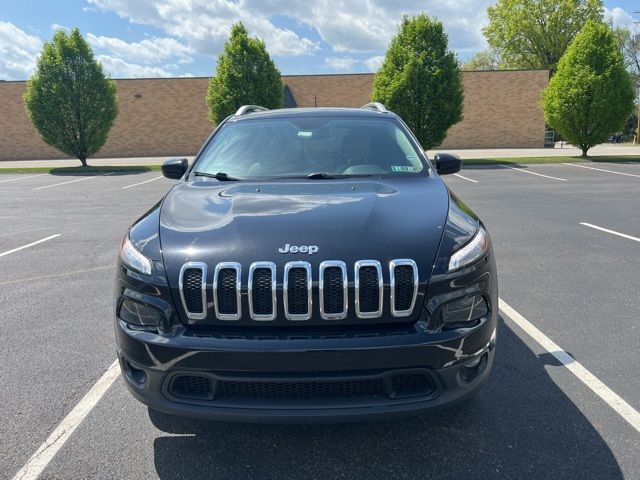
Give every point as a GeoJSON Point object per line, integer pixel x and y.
{"type": "Point", "coordinates": [584, 151]}
{"type": "Point", "coordinates": [84, 161]}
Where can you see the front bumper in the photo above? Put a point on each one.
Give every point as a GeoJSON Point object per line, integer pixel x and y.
{"type": "Point", "coordinates": [150, 361]}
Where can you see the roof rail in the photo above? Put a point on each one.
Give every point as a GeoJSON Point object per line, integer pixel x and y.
{"type": "Point", "coordinates": [246, 109]}
{"type": "Point", "coordinates": [375, 106]}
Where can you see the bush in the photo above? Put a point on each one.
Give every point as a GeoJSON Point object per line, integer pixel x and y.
{"type": "Point", "coordinates": [420, 80]}
{"type": "Point", "coordinates": [69, 99]}
{"type": "Point", "coordinates": [591, 95]}
{"type": "Point", "coordinates": [245, 75]}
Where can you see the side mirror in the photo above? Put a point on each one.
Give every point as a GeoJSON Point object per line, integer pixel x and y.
{"type": "Point", "coordinates": [447, 163]}
{"type": "Point", "coordinates": [174, 168]}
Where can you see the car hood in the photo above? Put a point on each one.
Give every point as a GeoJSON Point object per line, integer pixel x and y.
{"type": "Point", "coordinates": [352, 219]}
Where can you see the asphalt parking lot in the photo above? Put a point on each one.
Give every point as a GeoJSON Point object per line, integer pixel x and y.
{"type": "Point", "coordinates": [567, 240]}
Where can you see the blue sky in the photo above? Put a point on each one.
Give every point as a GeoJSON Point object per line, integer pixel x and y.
{"type": "Point", "coordinates": [152, 38]}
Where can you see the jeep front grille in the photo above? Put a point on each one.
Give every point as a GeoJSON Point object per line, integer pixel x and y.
{"type": "Point", "coordinates": [369, 299]}
{"type": "Point", "coordinates": [193, 289]}
{"type": "Point", "coordinates": [333, 290]}
{"type": "Point", "coordinates": [297, 290]}
{"type": "Point", "coordinates": [262, 291]}
{"type": "Point", "coordinates": [404, 286]}
{"type": "Point", "coordinates": [226, 291]}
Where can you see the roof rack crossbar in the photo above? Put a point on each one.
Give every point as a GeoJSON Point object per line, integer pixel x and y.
{"type": "Point", "coordinates": [375, 106]}
{"type": "Point", "coordinates": [246, 109]}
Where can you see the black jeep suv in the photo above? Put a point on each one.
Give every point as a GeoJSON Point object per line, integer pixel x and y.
{"type": "Point", "coordinates": [309, 265]}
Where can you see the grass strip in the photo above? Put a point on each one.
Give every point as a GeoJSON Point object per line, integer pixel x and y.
{"type": "Point", "coordinates": [532, 160]}
{"type": "Point", "coordinates": [84, 170]}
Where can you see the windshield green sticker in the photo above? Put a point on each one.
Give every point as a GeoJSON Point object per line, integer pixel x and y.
{"type": "Point", "coordinates": [403, 168]}
{"type": "Point", "coordinates": [305, 134]}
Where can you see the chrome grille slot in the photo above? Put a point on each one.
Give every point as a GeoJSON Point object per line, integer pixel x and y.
{"type": "Point", "coordinates": [368, 289]}
{"type": "Point", "coordinates": [333, 292]}
{"type": "Point", "coordinates": [193, 289]}
{"type": "Point", "coordinates": [262, 291]}
{"type": "Point", "coordinates": [226, 291]}
{"type": "Point", "coordinates": [297, 291]}
{"type": "Point", "coordinates": [403, 275]}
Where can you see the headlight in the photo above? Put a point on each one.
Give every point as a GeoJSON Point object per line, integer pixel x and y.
{"type": "Point", "coordinates": [477, 248]}
{"type": "Point", "coordinates": [133, 258]}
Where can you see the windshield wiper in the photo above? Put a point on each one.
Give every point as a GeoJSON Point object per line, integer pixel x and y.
{"type": "Point", "coordinates": [222, 176]}
{"type": "Point", "coordinates": [320, 176]}
{"type": "Point", "coordinates": [328, 176]}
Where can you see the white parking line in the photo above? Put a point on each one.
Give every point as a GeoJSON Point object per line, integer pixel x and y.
{"type": "Point", "coordinates": [39, 460]}
{"type": "Point", "coordinates": [146, 181]}
{"type": "Point", "coordinates": [613, 232]}
{"type": "Point", "coordinates": [626, 411]}
{"type": "Point", "coordinates": [465, 178]}
{"type": "Point", "coordinates": [73, 181]}
{"type": "Point", "coordinates": [22, 178]}
{"type": "Point", "coordinates": [602, 170]}
{"type": "Point", "coordinates": [29, 245]}
{"type": "Point", "coordinates": [41, 278]}
{"type": "Point", "coordinates": [533, 173]}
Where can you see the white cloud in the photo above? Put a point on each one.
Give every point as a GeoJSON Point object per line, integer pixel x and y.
{"type": "Point", "coordinates": [368, 25]}
{"type": "Point", "coordinates": [619, 17]}
{"type": "Point", "coordinates": [347, 26]}
{"type": "Point", "coordinates": [119, 68]}
{"type": "Point", "coordinates": [18, 52]}
{"type": "Point", "coordinates": [57, 26]}
{"type": "Point", "coordinates": [374, 63]}
{"type": "Point", "coordinates": [148, 51]}
{"type": "Point", "coordinates": [344, 64]}
{"type": "Point", "coordinates": [204, 24]}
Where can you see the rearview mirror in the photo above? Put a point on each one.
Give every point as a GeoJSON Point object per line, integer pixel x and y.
{"type": "Point", "coordinates": [174, 168]}
{"type": "Point", "coordinates": [447, 163]}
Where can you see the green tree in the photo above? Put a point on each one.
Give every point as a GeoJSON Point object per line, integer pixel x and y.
{"type": "Point", "coordinates": [69, 99]}
{"type": "Point", "coordinates": [483, 60]}
{"type": "Point", "coordinates": [630, 46]}
{"type": "Point", "coordinates": [536, 33]}
{"type": "Point", "coordinates": [245, 75]}
{"type": "Point", "coordinates": [591, 94]}
{"type": "Point", "coordinates": [420, 80]}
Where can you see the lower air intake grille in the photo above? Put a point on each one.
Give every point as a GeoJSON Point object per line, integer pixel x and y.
{"type": "Point", "coordinates": [300, 390]}
{"type": "Point", "coordinates": [193, 290]}
{"type": "Point", "coordinates": [410, 384]}
{"type": "Point", "coordinates": [229, 389]}
{"type": "Point", "coordinates": [192, 386]}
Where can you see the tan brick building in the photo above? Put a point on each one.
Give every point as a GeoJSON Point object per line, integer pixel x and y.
{"type": "Point", "coordinates": [168, 116]}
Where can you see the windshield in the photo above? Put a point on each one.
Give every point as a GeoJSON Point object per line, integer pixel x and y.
{"type": "Point", "coordinates": [296, 147]}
